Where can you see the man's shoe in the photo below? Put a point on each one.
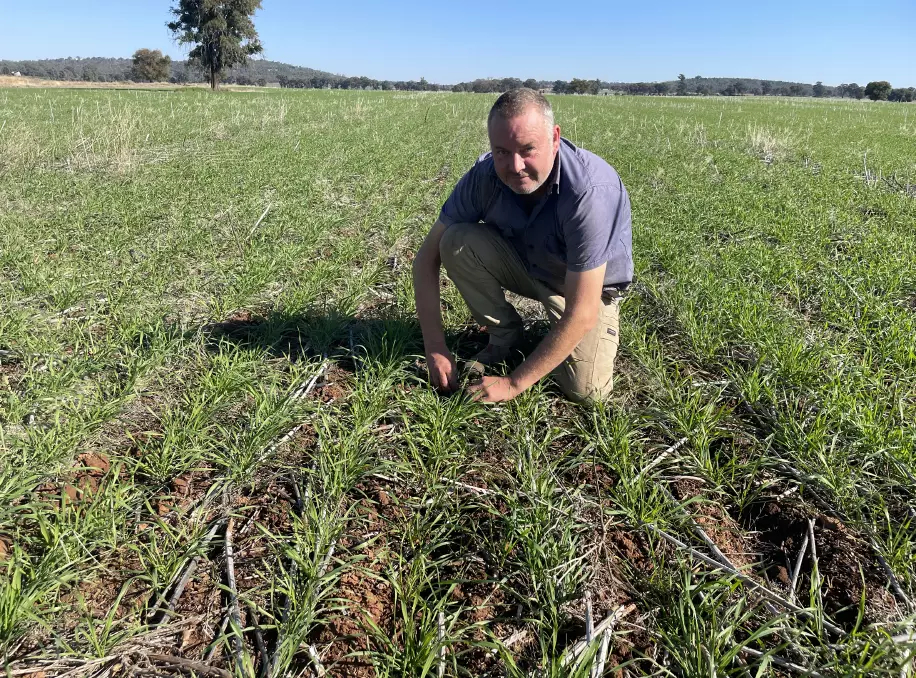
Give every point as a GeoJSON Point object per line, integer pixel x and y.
{"type": "Point", "coordinates": [475, 368]}
{"type": "Point", "coordinates": [493, 354]}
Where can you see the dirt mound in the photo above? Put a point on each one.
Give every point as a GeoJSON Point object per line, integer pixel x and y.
{"type": "Point", "coordinates": [846, 564]}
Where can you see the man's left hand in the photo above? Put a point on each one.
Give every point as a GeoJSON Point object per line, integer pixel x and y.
{"type": "Point", "coordinates": [494, 390]}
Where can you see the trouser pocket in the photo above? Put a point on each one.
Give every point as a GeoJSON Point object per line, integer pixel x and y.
{"type": "Point", "coordinates": [589, 370]}
{"type": "Point", "coordinates": [602, 380]}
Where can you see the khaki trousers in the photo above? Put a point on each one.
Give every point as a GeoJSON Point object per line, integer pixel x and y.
{"type": "Point", "coordinates": [482, 264]}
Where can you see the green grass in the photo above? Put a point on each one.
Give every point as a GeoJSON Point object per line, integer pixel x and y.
{"type": "Point", "coordinates": [156, 337]}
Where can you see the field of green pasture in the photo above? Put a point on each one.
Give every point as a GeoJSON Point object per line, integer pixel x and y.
{"type": "Point", "coordinates": [218, 453]}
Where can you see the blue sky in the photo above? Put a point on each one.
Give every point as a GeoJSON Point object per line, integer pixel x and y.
{"type": "Point", "coordinates": [805, 40]}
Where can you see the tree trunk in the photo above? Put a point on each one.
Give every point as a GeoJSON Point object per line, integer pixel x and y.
{"type": "Point", "coordinates": [214, 84]}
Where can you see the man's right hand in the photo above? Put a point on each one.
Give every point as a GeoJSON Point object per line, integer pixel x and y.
{"type": "Point", "coordinates": [443, 371]}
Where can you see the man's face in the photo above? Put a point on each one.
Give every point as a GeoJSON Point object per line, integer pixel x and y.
{"type": "Point", "coordinates": [524, 149]}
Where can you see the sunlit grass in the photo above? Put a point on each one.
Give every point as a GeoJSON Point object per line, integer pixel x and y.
{"type": "Point", "coordinates": [157, 337]}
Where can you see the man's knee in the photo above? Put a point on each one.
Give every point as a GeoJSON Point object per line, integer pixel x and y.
{"type": "Point", "coordinates": [591, 380]}
{"type": "Point", "coordinates": [447, 242]}
{"type": "Point", "coordinates": [456, 238]}
{"type": "Point", "coordinates": [584, 390]}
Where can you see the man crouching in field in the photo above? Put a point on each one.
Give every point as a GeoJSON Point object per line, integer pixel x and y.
{"type": "Point", "coordinates": [546, 220]}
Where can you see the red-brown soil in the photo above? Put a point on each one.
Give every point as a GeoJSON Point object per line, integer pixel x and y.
{"type": "Point", "coordinates": [844, 560]}
{"type": "Point", "coordinates": [715, 521]}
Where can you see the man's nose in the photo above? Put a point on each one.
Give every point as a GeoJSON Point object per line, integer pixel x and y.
{"type": "Point", "coordinates": [518, 163]}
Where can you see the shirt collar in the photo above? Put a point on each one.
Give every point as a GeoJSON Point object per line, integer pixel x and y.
{"type": "Point", "coordinates": [554, 177]}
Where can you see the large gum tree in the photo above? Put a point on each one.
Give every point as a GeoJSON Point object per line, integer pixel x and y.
{"type": "Point", "coordinates": [222, 32]}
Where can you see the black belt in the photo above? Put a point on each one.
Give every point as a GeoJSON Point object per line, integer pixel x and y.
{"type": "Point", "coordinates": [615, 292]}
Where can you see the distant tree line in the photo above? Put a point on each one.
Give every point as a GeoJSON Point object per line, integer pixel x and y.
{"type": "Point", "coordinates": [92, 69]}
{"type": "Point", "coordinates": [683, 86]}
{"type": "Point", "coordinates": [730, 87]}
{"type": "Point", "coordinates": [699, 86]}
{"type": "Point", "coordinates": [263, 72]}
{"type": "Point", "coordinates": [494, 85]}
{"type": "Point", "coordinates": [903, 94]}
{"type": "Point", "coordinates": [328, 81]}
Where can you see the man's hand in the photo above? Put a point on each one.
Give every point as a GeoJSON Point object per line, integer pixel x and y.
{"type": "Point", "coordinates": [494, 390]}
{"type": "Point", "coordinates": [443, 372]}
{"type": "Point", "coordinates": [583, 299]}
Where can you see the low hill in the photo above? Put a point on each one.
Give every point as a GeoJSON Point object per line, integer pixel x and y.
{"type": "Point", "coordinates": [106, 69]}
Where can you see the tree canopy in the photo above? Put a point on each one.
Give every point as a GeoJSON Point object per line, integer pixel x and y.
{"type": "Point", "coordinates": [878, 90]}
{"type": "Point", "coordinates": [222, 32]}
{"type": "Point", "coordinates": [904, 94]}
{"type": "Point", "coordinates": [852, 90]}
{"type": "Point", "coordinates": [149, 65]}
{"type": "Point", "coordinates": [681, 85]}
{"type": "Point", "coordinates": [734, 89]}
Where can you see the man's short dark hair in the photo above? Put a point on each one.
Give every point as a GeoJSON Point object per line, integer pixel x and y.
{"type": "Point", "coordinates": [515, 102]}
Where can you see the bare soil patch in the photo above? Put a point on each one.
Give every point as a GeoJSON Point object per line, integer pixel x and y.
{"type": "Point", "coordinates": [11, 373]}
{"type": "Point", "coordinates": [845, 561]}
{"type": "Point", "coordinates": [365, 596]}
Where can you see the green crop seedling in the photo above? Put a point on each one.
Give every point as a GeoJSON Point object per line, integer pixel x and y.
{"type": "Point", "coordinates": [219, 453]}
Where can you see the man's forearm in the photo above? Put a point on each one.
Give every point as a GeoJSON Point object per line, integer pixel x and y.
{"type": "Point", "coordinates": [553, 350]}
{"type": "Point", "coordinates": [426, 296]}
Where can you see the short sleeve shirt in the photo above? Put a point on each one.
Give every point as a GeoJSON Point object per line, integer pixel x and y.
{"type": "Point", "coordinates": [582, 222]}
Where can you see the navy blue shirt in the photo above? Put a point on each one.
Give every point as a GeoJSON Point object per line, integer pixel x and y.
{"type": "Point", "coordinates": [582, 222]}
